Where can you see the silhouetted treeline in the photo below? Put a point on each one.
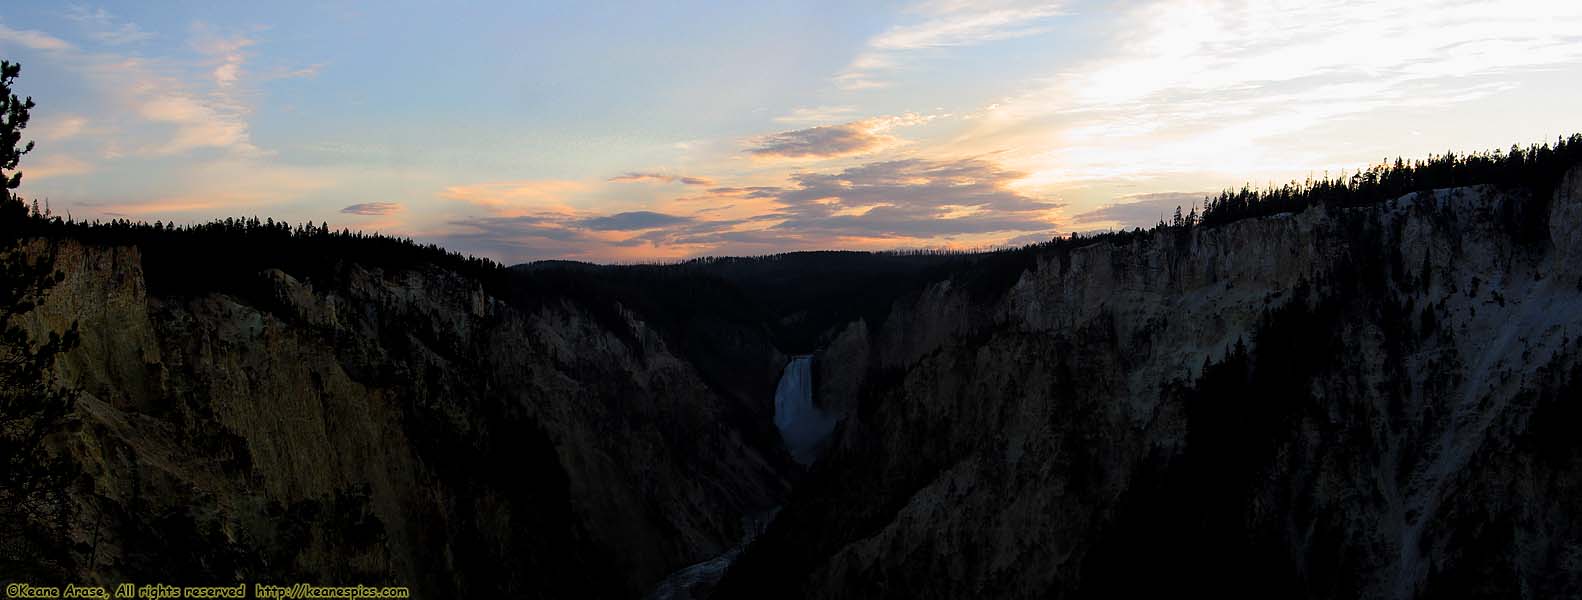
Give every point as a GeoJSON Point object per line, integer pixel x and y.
{"type": "Point", "coordinates": [1539, 166]}
{"type": "Point", "coordinates": [799, 293]}
{"type": "Point", "coordinates": [1536, 169]}
{"type": "Point", "coordinates": [227, 254]}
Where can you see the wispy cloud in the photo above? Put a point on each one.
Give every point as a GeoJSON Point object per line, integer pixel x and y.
{"type": "Point", "coordinates": [888, 204]}
{"type": "Point", "coordinates": [968, 202]}
{"type": "Point", "coordinates": [58, 127]}
{"type": "Point", "coordinates": [28, 38]}
{"type": "Point", "coordinates": [517, 197]}
{"type": "Point", "coordinates": [146, 106]}
{"type": "Point", "coordinates": [1189, 87]}
{"type": "Point", "coordinates": [632, 221]}
{"type": "Point", "coordinates": [913, 198]}
{"type": "Point", "coordinates": [105, 28]}
{"type": "Point", "coordinates": [968, 23]}
{"type": "Point", "coordinates": [372, 209]}
{"type": "Point", "coordinates": [196, 122]}
{"type": "Point", "coordinates": [55, 165]}
{"type": "Point", "coordinates": [942, 25]}
{"type": "Point", "coordinates": [227, 51]}
{"type": "Point", "coordinates": [830, 141]}
{"type": "Point", "coordinates": [818, 114]}
{"type": "Point", "coordinates": [649, 177]}
{"type": "Point", "coordinates": [225, 185]}
{"type": "Point", "coordinates": [822, 142]}
{"type": "Point", "coordinates": [307, 72]}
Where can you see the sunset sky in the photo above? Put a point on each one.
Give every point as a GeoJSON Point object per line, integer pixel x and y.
{"type": "Point", "coordinates": [652, 131]}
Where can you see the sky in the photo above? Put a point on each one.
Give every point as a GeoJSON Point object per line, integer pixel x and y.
{"type": "Point", "coordinates": [637, 132]}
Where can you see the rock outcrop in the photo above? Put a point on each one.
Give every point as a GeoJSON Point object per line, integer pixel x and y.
{"type": "Point", "coordinates": [394, 428]}
{"type": "Point", "coordinates": [1372, 401]}
{"type": "Point", "coordinates": [1359, 402]}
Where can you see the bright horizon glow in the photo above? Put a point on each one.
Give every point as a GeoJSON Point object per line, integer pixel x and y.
{"type": "Point", "coordinates": [656, 132]}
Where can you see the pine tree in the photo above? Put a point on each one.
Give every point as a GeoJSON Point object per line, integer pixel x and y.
{"type": "Point", "coordinates": [34, 509]}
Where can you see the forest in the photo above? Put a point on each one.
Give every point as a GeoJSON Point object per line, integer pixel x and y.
{"type": "Point", "coordinates": [241, 242]}
{"type": "Point", "coordinates": [801, 293]}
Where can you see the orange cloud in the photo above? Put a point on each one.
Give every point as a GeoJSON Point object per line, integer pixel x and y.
{"type": "Point", "coordinates": [55, 165]}
{"type": "Point", "coordinates": [36, 40]}
{"type": "Point", "coordinates": [197, 124]}
{"type": "Point", "coordinates": [515, 198]}
{"type": "Point", "coordinates": [372, 208]}
{"type": "Point", "coordinates": [910, 203]}
{"type": "Point", "coordinates": [171, 205]}
{"type": "Point", "coordinates": [832, 141]}
{"type": "Point", "coordinates": [58, 128]}
{"type": "Point", "coordinates": [641, 177]}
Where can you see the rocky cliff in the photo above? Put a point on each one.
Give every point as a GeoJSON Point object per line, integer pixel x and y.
{"type": "Point", "coordinates": [1362, 401]}
{"type": "Point", "coordinates": [395, 427]}
{"type": "Point", "coordinates": [1349, 402]}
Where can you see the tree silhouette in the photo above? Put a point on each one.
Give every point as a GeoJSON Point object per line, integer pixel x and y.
{"type": "Point", "coordinates": [34, 509]}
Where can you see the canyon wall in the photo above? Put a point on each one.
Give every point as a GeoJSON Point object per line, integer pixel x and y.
{"type": "Point", "coordinates": [1364, 402]}
{"type": "Point", "coordinates": [395, 427]}
{"type": "Point", "coordinates": [1358, 402]}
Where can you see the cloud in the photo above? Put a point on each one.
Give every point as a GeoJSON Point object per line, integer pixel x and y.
{"type": "Point", "coordinates": [213, 186]}
{"type": "Point", "coordinates": [522, 238]}
{"type": "Point", "coordinates": [912, 198]}
{"type": "Point", "coordinates": [372, 208]}
{"type": "Point", "coordinates": [639, 177]}
{"type": "Point", "coordinates": [825, 141]}
{"type": "Point", "coordinates": [148, 106]}
{"type": "Point", "coordinates": [227, 51]}
{"type": "Point", "coordinates": [36, 40]}
{"type": "Point", "coordinates": [54, 165]}
{"type": "Point", "coordinates": [631, 177]}
{"type": "Point", "coordinates": [197, 123]}
{"type": "Point", "coordinates": [831, 141]}
{"type": "Point", "coordinates": [160, 117]}
{"type": "Point", "coordinates": [943, 25]}
{"type": "Point", "coordinates": [1142, 210]}
{"type": "Point", "coordinates": [151, 106]}
{"type": "Point", "coordinates": [516, 196]}
{"type": "Point", "coordinates": [1243, 89]}
{"type": "Point", "coordinates": [628, 236]}
{"type": "Point", "coordinates": [959, 24]}
{"type": "Point", "coordinates": [1178, 46]}
{"type": "Point", "coordinates": [104, 27]}
{"type": "Point", "coordinates": [818, 114]}
{"type": "Point", "coordinates": [965, 202]}
{"type": "Point", "coordinates": [631, 221]}
{"type": "Point", "coordinates": [307, 72]}
{"type": "Point", "coordinates": [759, 191]}
{"type": "Point", "coordinates": [58, 127]}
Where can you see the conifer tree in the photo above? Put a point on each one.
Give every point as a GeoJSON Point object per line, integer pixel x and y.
{"type": "Point", "coordinates": [34, 508]}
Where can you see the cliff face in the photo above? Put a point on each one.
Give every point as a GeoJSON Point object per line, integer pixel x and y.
{"type": "Point", "coordinates": [1373, 402]}
{"type": "Point", "coordinates": [1337, 403]}
{"type": "Point", "coordinates": [395, 428]}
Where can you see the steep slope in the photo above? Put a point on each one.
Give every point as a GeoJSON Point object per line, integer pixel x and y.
{"type": "Point", "coordinates": [397, 427]}
{"type": "Point", "coordinates": [1371, 397]}
{"type": "Point", "coordinates": [1341, 402]}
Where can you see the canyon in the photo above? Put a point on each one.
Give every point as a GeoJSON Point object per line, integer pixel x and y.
{"type": "Point", "coordinates": [1360, 401]}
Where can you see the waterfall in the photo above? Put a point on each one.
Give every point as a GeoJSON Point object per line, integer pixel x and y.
{"type": "Point", "coordinates": [803, 427]}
